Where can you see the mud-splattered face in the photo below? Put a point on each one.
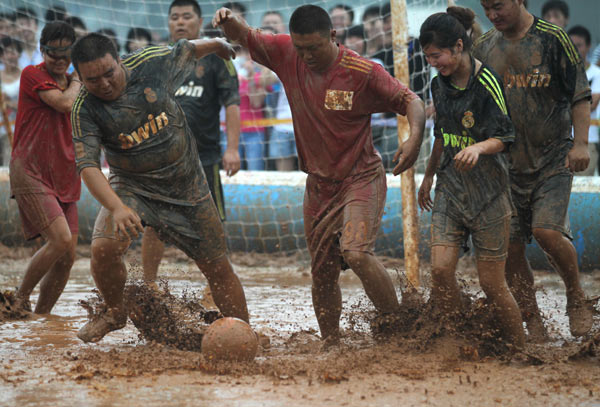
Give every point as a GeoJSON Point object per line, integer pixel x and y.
{"type": "Point", "coordinates": [504, 14]}
{"type": "Point", "coordinates": [445, 60]}
{"type": "Point", "coordinates": [57, 56]}
{"type": "Point", "coordinates": [103, 77]}
{"type": "Point", "coordinates": [184, 23]}
{"type": "Point", "coordinates": [317, 50]}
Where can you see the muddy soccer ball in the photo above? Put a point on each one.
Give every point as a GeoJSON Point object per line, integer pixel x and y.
{"type": "Point", "coordinates": [229, 339]}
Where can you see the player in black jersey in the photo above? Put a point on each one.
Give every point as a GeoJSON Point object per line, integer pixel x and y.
{"type": "Point", "coordinates": [548, 94]}
{"type": "Point", "coordinates": [210, 85]}
{"type": "Point", "coordinates": [472, 128]}
{"type": "Point", "coordinates": [128, 109]}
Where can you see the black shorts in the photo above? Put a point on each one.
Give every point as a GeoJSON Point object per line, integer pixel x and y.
{"type": "Point", "coordinates": [196, 230]}
{"type": "Point", "coordinates": [213, 177]}
{"type": "Point", "coordinates": [542, 203]}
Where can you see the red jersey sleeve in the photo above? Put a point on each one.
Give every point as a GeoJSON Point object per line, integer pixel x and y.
{"type": "Point", "coordinates": [388, 94]}
{"type": "Point", "coordinates": [34, 79]}
{"type": "Point", "coordinates": [268, 49]}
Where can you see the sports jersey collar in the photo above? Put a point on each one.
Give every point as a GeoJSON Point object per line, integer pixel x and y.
{"type": "Point", "coordinates": [450, 89]}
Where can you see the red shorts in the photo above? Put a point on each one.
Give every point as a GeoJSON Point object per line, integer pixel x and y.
{"type": "Point", "coordinates": [342, 216]}
{"type": "Point", "coordinates": [38, 211]}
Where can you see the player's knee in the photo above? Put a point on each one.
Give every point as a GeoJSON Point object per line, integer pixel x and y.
{"type": "Point", "coordinates": [356, 260]}
{"type": "Point", "coordinates": [62, 243]}
{"type": "Point", "coordinates": [103, 248]}
{"type": "Point", "coordinates": [546, 236]}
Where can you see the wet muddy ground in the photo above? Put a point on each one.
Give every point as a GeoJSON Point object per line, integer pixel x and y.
{"type": "Point", "coordinates": [43, 363]}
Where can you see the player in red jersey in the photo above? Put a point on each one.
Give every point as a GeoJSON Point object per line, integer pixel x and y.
{"type": "Point", "coordinates": [332, 93]}
{"type": "Point", "coordinates": [43, 178]}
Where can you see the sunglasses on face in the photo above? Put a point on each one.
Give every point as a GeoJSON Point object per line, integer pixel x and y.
{"type": "Point", "coordinates": [57, 52]}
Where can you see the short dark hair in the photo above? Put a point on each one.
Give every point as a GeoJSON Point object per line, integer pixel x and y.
{"type": "Point", "coordinates": [184, 3]}
{"type": "Point", "coordinates": [57, 30]}
{"type": "Point", "coordinates": [91, 47]}
{"type": "Point", "coordinates": [235, 4]}
{"type": "Point", "coordinates": [7, 16]}
{"type": "Point", "coordinates": [55, 13]}
{"type": "Point", "coordinates": [346, 7]}
{"type": "Point", "coordinates": [137, 32]}
{"type": "Point", "coordinates": [582, 32]}
{"type": "Point", "coordinates": [308, 19]}
{"type": "Point", "coordinates": [8, 42]}
{"type": "Point", "coordinates": [371, 11]}
{"type": "Point", "coordinates": [75, 21]}
{"type": "Point", "coordinates": [559, 5]}
{"type": "Point", "coordinates": [386, 11]}
{"type": "Point", "coordinates": [27, 13]}
{"type": "Point", "coordinates": [112, 35]}
{"type": "Point", "coordinates": [356, 31]}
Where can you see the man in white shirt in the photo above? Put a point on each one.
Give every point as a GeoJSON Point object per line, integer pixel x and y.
{"type": "Point", "coordinates": [582, 40]}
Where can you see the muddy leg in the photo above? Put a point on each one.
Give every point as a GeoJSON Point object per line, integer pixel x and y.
{"type": "Point", "coordinates": [226, 288]}
{"type": "Point", "coordinates": [564, 259]}
{"type": "Point", "coordinates": [55, 280]}
{"type": "Point", "coordinates": [58, 243]}
{"type": "Point", "coordinates": [520, 280]}
{"type": "Point", "coordinates": [375, 279]}
{"type": "Point", "coordinates": [493, 283]}
{"type": "Point", "coordinates": [152, 253]}
{"type": "Point", "coordinates": [445, 292]}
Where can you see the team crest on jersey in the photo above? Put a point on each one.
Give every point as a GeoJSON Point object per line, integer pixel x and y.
{"type": "Point", "coordinates": [468, 120]}
{"type": "Point", "coordinates": [199, 71]}
{"type": "Point", "coordinates": [150, 95]}
{"type": "Point", "coordinates": [338, 99]}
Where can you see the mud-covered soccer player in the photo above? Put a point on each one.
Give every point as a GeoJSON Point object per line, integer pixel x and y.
{"type": "Point", "coordinates": [43, 176]}
{"type": "Point", "coordinates": [547, 93]}
{"type": "Point", "coordinates": [472, 196]}
{"type": "Point", "coordinates": [128, 109]}
{"type": "Point", "coordinates": [332, 93]}
{"type": "Point", "coordinates": [211, 83]}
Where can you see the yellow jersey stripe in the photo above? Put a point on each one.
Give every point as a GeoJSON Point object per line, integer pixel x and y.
{"type": "Point", "coordinates": [484, 36]}
{"type": "Point", "coordinates": [564, 36]}
{"type": "Point", "coordinates": [565, 42]}
{"type": "Point", "coordinates": [357, 61]}
{"type": "Point", "coordinates": [357, 68]}
{"type": "Point", "coordinates": [150, 56]}
{"type": "Point", "coordinates": [75, 122]}
{"type": "Point", "coordinates": [487, 75]}
{"type": "Point", "coordinates": [141, 54]}
{"type": "Point", "coordinates": [502, 108]}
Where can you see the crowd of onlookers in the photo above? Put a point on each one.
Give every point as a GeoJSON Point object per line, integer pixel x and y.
{"type": "Point", "coordinates": [266, 139]}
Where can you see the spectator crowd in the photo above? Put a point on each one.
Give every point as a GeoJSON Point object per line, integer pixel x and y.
{"type": "Point", "coordinates": [266, 140]}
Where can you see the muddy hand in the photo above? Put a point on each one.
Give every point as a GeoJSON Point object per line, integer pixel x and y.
{"type": "Point", "coordinates": [424, 198]}
{"type": "Point", "coordinates": [231, 162]}
{"type": "Point", "coordinates": [221, 16]}
{"type": "Point", "coordinates": [466, 159]}
{"type": "Point", "coordinates": [126, 218]}
{"type": "Point", "coordinates": [578, 158]}
{"type": "Point", "coordinates": [225, 51]}
{"type": "Point", "coordinates": [406, 155]}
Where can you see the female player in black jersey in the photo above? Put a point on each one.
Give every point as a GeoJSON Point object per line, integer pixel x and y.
{"type": "Point", "coordinates": [472, 128]}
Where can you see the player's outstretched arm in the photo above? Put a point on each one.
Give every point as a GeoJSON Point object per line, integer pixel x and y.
{"type": "Point", "coordinates": [409, 150]}
{"type": "Point", "coordinates": [235, 28]}
{"type": "Point", "coordinates": [216, 45]}
{"type": "Point", "coordinates": [579, 156]}
{"type": "Point", "coordinates": [125, 217]}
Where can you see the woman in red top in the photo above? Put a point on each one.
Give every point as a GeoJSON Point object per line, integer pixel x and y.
{"type": "Point", "coordinates": [43, 177]}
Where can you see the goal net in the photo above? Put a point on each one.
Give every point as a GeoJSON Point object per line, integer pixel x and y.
{"type": "Point", "coordinates": [261, 220]}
